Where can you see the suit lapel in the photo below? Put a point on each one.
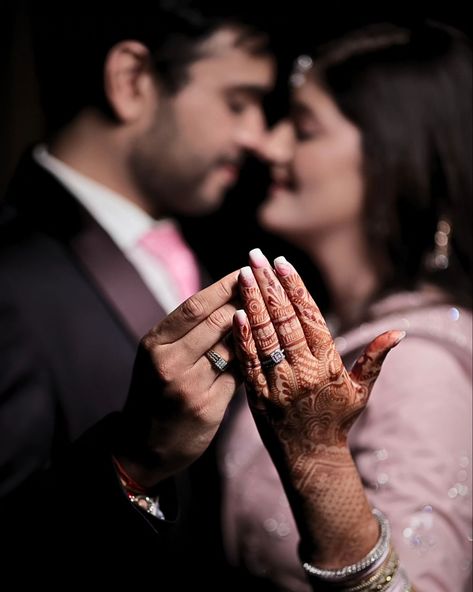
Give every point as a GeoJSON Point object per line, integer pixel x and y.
{"type": "Point", "coordinates": [116, 279]}
{"type": "Point", "coordinates": [46, 205]}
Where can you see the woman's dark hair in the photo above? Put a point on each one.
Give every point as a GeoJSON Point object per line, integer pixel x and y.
{"type": "Point", "coordinates": [71, 42]}
{"type": "Point", "coordinates": [410, 94]}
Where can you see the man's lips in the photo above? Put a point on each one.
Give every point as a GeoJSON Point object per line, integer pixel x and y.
{"type": "Point", "coordinates": [277, 187]}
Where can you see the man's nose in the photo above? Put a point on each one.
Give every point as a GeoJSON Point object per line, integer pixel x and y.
{"type": "Point", "coordinates": [251, 135]}
{"type": "Point", "coordinates": [277, 146]}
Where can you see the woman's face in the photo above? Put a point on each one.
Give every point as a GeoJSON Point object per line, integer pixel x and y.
{"type": "Point", "coordinates": [316, 169]}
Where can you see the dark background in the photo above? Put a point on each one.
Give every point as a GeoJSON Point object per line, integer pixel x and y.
{"type": "Point", "coordinates": [223, 239]}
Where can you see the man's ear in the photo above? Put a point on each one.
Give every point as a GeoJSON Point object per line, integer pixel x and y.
{"type": "Point", "coordinates": [127, 79]}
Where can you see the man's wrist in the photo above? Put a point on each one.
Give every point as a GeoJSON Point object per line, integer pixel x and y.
{"type": "Point", "coordinates": [145, 498]}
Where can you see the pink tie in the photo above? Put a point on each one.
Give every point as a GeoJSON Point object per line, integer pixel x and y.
{"type": "Point", "coordinates": [166, 243]}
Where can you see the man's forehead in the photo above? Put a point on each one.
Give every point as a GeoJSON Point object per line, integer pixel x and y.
{"type": "Point", "coordinates": [232, 63]}
{"type": "Point", "coordinates": [227, 39]}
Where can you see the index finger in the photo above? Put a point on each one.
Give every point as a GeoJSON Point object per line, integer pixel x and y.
{"type": "Point", "coordinates": [195, 309]}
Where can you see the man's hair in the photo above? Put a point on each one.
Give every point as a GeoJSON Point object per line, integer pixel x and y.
{"type": "Point", "coordinates": [409, 91]}
{"type": "Point", "coordinates": [71, 43]}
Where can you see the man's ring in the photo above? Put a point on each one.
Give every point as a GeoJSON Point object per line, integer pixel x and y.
{"type": "Point", "coordinates": [274, 358]}
{"type": "Point", "coordinates": [216, 360]}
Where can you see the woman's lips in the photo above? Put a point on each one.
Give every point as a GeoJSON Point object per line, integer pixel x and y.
{"type": "Point", "coordinates": [231, 171]}
{"type": "Point", "coordinates": [279, 188]}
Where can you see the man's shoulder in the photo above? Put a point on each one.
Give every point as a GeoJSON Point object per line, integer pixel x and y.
{"type": "Point", "coordinates": [27, 176]}
{"type": "Point", "coordinates": [36, 198]}
{"type": "Point", "coordinates": [38, 216]}
{"type": "Point", "coordinates": [37, 270]}
{"type": "Point", "coordinates": [23, 244]}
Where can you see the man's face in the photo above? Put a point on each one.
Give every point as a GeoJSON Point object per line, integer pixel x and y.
{"type": "Point", "coordinates": [192, 149]}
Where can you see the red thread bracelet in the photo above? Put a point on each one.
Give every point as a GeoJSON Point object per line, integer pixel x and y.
{"type": "Point", "coordinates": [128, 482]}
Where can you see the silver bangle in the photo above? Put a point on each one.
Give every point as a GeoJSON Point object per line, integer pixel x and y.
{"type": "Point", "coordinates": [375, 580]}
{"type": "Point", "coordinates": [347, 572]}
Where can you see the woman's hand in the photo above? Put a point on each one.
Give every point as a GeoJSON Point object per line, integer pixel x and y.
{"type": "Point", "coordinates": [304, 403]}
{"type": "Point", "coordinates": [314, 392]}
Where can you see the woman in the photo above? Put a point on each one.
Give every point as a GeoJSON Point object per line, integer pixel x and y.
{"type": "Point", "coordinates": [376, 187]}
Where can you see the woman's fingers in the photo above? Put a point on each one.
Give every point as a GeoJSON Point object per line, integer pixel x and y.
{"type": "Point", "coordinates": [309, 316]}
{"type": "Point", "coordinates": [264, 332]}
{"type": "Point", "coordinates": [279, 364]}
{"type": "Point", "coordinates": [279, 309]}
{"type": "Point", "coordinates": [247, 354]}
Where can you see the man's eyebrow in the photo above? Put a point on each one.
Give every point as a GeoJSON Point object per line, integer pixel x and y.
{"type": "Point", "coordinates": [256, 90]}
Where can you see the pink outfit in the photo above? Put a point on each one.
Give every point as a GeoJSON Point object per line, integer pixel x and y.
{"type": "Point", "coordinates": [412, 446]}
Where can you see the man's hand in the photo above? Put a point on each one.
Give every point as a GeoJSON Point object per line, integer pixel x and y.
{"type": "Point", "coordinates": [177, 398]}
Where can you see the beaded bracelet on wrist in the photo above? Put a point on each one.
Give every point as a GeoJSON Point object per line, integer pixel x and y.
{"type": "Point", "coordinates": [136, 493]}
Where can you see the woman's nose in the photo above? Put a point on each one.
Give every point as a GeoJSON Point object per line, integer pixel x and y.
{"type": "Point", "coordinates": [278, 145]}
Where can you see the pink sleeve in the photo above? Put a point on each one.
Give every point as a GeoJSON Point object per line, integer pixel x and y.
{"type": "Point", "coordinates": [412, 446]}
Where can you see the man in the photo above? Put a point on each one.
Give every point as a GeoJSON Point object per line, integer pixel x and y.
{"type": "Point", "coordinates": [149, 114]}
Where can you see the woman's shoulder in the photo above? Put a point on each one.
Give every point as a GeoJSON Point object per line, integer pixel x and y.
{"type": "Point", "coordinates": [426, 320]}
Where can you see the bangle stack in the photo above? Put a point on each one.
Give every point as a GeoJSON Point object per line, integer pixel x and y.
{"type": "Point", "coordinates": [378, 571]}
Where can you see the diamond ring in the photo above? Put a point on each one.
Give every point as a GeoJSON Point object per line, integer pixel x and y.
{"type": "Point", "coordinates": [274, 358]}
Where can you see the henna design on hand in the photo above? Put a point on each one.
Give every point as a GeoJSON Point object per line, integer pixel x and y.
{"type": "Point", "coordinates": [312, 384]}
{"type": "Point", "coordinates": [305, 406]}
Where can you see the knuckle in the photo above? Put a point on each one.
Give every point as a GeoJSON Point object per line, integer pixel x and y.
{"type": "Point", "coordinates": [229, 382]}
{"type": "Point", "coordinates": [306, 384]}
{"type": "Point", "coordinates": [193, 308]}
{"type": "Point", "coordinates": [164, 372]}
{"type": "Point", "coordinates": [195, 407]}
{"type": "Point", "coordinates": [219, 319]}
{"type": "Point", "coordinates": [149, 342]}
{"type": "Point", "coordinates": [165, 368]}
{"type": "Point", "coordinates": [225, 290]}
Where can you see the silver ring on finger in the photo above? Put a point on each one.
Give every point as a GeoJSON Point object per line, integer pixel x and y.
{"type": "Point", "coordinates": [274, 358]}
{"type": "Point", "coordinates": [219, 363]}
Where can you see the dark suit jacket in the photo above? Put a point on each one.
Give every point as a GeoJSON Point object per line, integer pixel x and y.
{"type": "Point", "coordinates": [72, 309]}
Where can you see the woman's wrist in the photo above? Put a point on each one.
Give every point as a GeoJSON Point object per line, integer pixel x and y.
{"type": "Point", "coordinates": [374, 557]}
{"type": "Point", "coordinates": [344, 540]}
{"type": "Point", "coordinates": [379, 570]}
{"type": "Point", "coordinates": [331, 508]}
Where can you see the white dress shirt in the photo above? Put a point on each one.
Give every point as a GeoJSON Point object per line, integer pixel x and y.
{"type": "Point", "coordinates": [123, 221]}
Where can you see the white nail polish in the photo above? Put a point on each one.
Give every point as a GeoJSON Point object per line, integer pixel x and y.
{"type": "Point", "coordinates": [257, 258]}
{"type": "Point", "coordinates": [247, 277]}
{"type": "Point", "coordinates": [241, 317]}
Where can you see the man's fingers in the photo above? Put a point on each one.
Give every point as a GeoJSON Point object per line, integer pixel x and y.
{"type": "Point", "coordinates": [221, 359]}
{"type": "Point", "coordinates": [194, 310]}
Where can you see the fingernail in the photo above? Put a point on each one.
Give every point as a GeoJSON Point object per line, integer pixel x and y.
{"type": "Point", "coordinates": [241, 318]}
{"type": "Point", "coordinates": [257, 259]}
{"type": "Point", "coordinates": [401, 336]}
{"type": "Point", "coordinates": [246, 276]}
{"type": "Point", "coordinates": [282, 266]}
